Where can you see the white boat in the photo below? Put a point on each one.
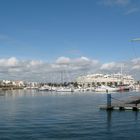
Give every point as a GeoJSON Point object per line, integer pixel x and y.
{"type": "Point", "coordinates": [77, 90]}
{"type": "Point", "coordinates": [104, 88]}
{"type": "Point", "coordinates": [44, 88]}
{"type": "Point", "coordinates": [124, 88]}
{"type": "Point", "coordinates": [64, 89]}
{"type": "Point", "coordinates": [31, 88]}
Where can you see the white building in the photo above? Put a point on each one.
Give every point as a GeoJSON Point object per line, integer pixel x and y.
{"type": "Point", "coordinates": [18, 83]}
{"type": "Point", "coordinates": [6, 82]}
{"type": "Point", "coordinates": [105, 79]}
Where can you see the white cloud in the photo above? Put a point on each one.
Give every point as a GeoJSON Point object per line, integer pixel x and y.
{"type": "Point", "coordinates": [115, 2]}
{"type": "Point", "coordinates": [34, 70]}
{"type": "Point", "coordinates": [127, 6]}
{"type": "Point", "coordinates": [122, 2]}
{"type": "Point", "coordinates": [84, 58]}
{"type": "Point", "coordinates": [135, 61]}
{"type": "Point", "coordinates": [63, 60]}
{"type": "Point", "coordinates": [81, 61]}
{"type": "Point", "coordinates": [109, 66]}
{"type": "Point", "coordinates": [35, 63]}
{"type": "Point", "coordinates": [136, 64]}
{"type": "Point", "coordinates": [12, 68]}
{"type": "Point", "coordinates": [136, 67]}
{"type": "Point", "coordinates": [8, 62]}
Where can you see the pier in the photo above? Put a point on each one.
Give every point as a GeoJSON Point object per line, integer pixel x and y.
{"type": "Point", "coordinates": [132, 104]}
{"type": "Point", "coordinates": [121, 107]}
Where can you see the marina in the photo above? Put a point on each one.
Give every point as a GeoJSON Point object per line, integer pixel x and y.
{"type": "Point", "coordinates": [69, 70]}
{"type": "Point", "coordinates": [90, 83]}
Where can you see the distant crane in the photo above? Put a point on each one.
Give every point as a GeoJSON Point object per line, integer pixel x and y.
{"type": "Point", "coordinates": [136, 39]}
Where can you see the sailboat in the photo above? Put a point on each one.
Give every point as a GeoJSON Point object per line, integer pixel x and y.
{"type": "Point", "coordinates": [64, 88]}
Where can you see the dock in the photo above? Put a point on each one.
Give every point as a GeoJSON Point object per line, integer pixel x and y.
{"type": "Point", "coordinates": [132, 104]}
{"type": "Point", "coordinates": [124, 107]}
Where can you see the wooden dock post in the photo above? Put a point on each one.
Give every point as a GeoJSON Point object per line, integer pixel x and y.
{"type": "Point", "coordinates": [109, 107]}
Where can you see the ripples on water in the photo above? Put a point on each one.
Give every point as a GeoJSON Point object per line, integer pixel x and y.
{"type": "Point", "coordinates": [42, 115]}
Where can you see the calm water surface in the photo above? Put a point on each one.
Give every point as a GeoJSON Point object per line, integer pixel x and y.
{"type": "Point", "coordinates": [42, 116]}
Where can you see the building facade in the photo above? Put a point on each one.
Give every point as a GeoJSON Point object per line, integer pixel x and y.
{"type": "Point", "coordinates": [105, 79]}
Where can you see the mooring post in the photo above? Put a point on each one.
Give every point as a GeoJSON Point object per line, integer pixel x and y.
{"type": "Point", "coordinates": [108, 99]}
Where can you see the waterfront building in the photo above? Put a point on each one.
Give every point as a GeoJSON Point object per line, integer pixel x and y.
{"type": "Point", "coordinates": [18, 83]}
{"type": "Point", "coordinates": [105, 79]}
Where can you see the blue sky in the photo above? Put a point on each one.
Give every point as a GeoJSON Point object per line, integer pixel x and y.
{"type": "Point", "coordinates": [47, 29]}
{"type": "Point", "coordinates": [42, 36]}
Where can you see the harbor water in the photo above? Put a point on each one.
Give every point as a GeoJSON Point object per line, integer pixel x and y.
{"type": "Point", "coordinates": [29, 114]}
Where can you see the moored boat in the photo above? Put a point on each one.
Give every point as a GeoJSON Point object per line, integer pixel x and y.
{"type": "Point", "coordinates": [64, 89]}
{"type": "Point", "coordinates": [104, 88]}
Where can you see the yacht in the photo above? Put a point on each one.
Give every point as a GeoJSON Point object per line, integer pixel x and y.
{"type": "Point", "coordinates": [45, 88]}
{"type": "Point", "coordinates": [64, 89]}
{"type": "Point", "coordinates": [104, 88]}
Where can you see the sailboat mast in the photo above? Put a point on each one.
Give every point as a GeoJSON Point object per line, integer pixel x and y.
{"type": "Point", "coordinates": [121, 69]}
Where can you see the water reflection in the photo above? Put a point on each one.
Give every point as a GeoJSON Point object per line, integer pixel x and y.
{"type": "Point", "coordinates": [136, 115]}
{"type": "Point", "coordinates": [109, 119]}
{"type": "Point", "coordinates": [17, 93]}
{"type": "Point", "coordinates": [76, 117]}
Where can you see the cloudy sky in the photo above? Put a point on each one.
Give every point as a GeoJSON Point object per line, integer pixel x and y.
{"type": "Point", "coordinates": [42, 39]}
